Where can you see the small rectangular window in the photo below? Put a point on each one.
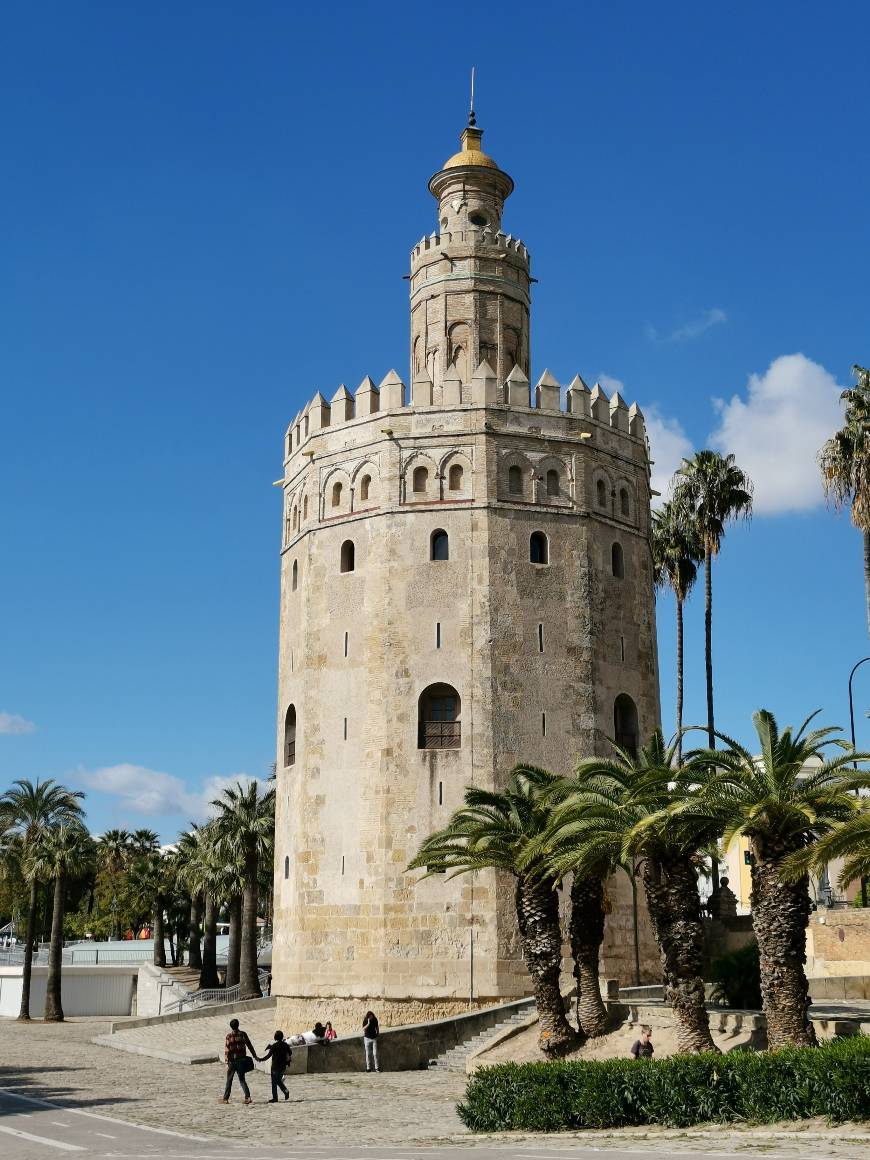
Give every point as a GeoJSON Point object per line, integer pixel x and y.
{"type": "Point", "coordinates": [345, 728]}
{"type": "Point", "coordinates": [540, 638]}
{"type": "Point", "coordinates": [438, 634]}
{"type": "Point", "coordinates": [622, 647]}
{"type": "Point", "coordinates": [543, 724]}
{"type": "Point", "coordinates": [345, 644]}
{"type": "Point", "coordinates": [291, 660]}
{"type": "Point", "coordinates": [342, 865]}
{"type": "Point", "coordinates": [440, 793]}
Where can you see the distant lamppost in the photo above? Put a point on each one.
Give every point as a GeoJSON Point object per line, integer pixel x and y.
{"type": "Point", "coordinates": [855, 668]}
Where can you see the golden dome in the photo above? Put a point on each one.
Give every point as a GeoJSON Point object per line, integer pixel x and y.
{"type": "Point", "coordinates": [471, 152]}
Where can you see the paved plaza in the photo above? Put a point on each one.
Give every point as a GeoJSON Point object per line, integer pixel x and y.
{"type": "Point", "coordinates": [60, 1093]}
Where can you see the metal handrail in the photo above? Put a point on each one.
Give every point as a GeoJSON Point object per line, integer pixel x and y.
{"type": "Point", "coordinates": [213, 995]}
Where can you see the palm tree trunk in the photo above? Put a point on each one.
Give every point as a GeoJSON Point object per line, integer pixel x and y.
{"type": "Point", "coordinates": [537, 906]}
{"type": "Point", "coordinates": [867, 575]}
{"type": "Point", "coordinates": [194, 948]}
{"type": "Point", "coordinates": [53, 1004]}
{"type": "Point", "coordinates": [587, 934]}
{"type": "Point", "coordinates": [708, 668]}
{"type": "Point", "coordinates": [159, 957]}
{"type": "Point", "coordinates": [250, 983]}
{"type": "Point", "coordinates": [234, 951]}
{"type": "Point", "coordinates": [27, 972]}
{"type": "Point", "coordinates": [780, 913]}
{"type": "Point", "coordinates": [671, 887]}
{"type": "Point", "coordinates": [679, 681]}
{"type": "Point", "coordinates": [208, 976]}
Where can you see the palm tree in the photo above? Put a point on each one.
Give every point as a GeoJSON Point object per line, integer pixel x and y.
{"type": "Point", "coordinates": [144, 841]}
{"type": "Point", "coordinates": [186, 858]}
{"type": "Point", "coordinates": [676, 550]}
{"type": "Point", "coordinates": [849, 841]}
{"type": "Point", "coordinates": [61, 854]}
{"type": "Point", "coordinates": [845, 464]}
{"type": "Point", "coordinates": [782, 807]}
{"type": "Point", "coordinates": [495, 831]}
{"type": "Point", "coordinates": [615, 811]}
{"type": "Point", "coordinates": [113, 853]}
{"type": "Point", "coordinates": [245, 822]}
{"type": "Point", "coordinates": [29, 809]}
{"type": "Point", "coordinates": [149, 882]}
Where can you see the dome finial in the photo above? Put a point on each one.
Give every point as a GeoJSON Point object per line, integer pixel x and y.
{"type": "Point", "coordinates": [472, 120]}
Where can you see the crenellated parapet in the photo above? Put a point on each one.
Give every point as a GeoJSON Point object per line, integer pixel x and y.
{"type": "Point", "coordinates": [471, 236]}
{"type": "Point", "coordinates": [582, 410]}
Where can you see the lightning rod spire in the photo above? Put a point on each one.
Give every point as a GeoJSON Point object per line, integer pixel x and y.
{"type": "Point", "coordinates": [472, 120]}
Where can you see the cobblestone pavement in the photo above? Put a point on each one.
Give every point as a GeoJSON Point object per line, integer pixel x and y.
{"type": "Point", "coordinates": [58, 1063]}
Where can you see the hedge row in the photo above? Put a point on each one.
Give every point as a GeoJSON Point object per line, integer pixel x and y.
{"type": "Point", "coordinates": [832, 1080]}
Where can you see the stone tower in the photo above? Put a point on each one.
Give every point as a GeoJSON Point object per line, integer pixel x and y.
{"type": "Point", "coordinates": [465, 584]}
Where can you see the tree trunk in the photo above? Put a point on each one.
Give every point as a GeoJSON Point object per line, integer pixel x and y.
{"type": "Point", "coordinates": [679, 682]}
{"type": "Point", "coordinates": [234, 950]}
{"type": "Point", "coordinates": [780, 913]}
{"type": "Point", "coordinates": [208, 976]}
{"type": "Point", "coordinates": [537, 906]}
{"type": "Point", "coordinates": [27, 972]}
{"type": "Point", "coordinates": [587, 934]}
{"type": "Point", "coordinates": [159, 957]}
{"type": "Point", "coordinates": [250, 983]}
{"type": "Point", "coordinates": [708, 668]}
{"type": "Point", "coordinates": [53, 1004]}
{"type": "Point", "coordinates": [671, 887]}
{"type": "Point", "coordinates": [194, 947]}
{"type": "Point", "coordinates": [867, 576]}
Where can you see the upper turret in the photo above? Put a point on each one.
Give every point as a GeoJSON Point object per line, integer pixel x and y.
{"type": "Point", "coordinates": [470, 188]}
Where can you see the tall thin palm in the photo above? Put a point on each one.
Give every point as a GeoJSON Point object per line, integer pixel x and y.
{"type": "Point", "coordinates": [677, 549]}
{"type": "Point", "coordinates": [149, 882]}
{"type": "Point", "coordinates": [494, 831]}
{"type": "Point", "coordinates": [845, 465]}
{"type": "Point", "coordinates": [615, 811]}
{"type": "Point", "coordinates": [186, 854]}
{"type": "Point", "coordinates": [245, 821]}
{"type": "Point", "coordinates": [783, 800]}
{"type": "Point", "coordinates": [62, 854]}
{"type": "Point", "coordinates": [30, 808]}
{"type": "Point", "coordinates": [113, 853]}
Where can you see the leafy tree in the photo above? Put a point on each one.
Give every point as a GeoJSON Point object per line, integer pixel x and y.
{"type": "Point", "coordinates": [245, 822]}
{"type": "Point", "coordinates": [676, 550]}
{"type": "Point", "coordinates": [30, 809]}
{"type": "Point", "coordinates": [61, 853]}
{"type": "Point", "coordinates": [783, 801]}
{"type": "Point", "coordinates": [616, 811]}
{"type": "Point", "coordinates": [495, 831]}
{"type": "Point", "coordinates": [845, 465]}
{"type": "Point", "coordinates": [714, 491]}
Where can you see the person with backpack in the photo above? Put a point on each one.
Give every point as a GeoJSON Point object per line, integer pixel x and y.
{"type": "Point", "coordinates": [370, 1041]}
{"type": "Point", "coordinates": [239, 1063]}
{"type": "Point", "coordinates": [280, 1055]}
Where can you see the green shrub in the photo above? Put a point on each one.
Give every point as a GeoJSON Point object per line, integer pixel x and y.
{"type": "Point", "coordinates": [737, 979]}
{"type": "Point", "coordinates": [761, 1087]}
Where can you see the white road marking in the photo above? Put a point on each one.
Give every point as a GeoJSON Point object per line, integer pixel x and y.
{"type": "Point", "coordinates": [41, 1139]}
{"type": "Point", "coordinates": [106, 1134]}
{"type": "Point", "coordinates": [109, 1119]}
{"type": "Point", "coordinates": [58, 1124]}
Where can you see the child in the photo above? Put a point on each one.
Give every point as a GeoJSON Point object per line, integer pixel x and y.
{"type": "Point", "coordinates": [280, 1055]}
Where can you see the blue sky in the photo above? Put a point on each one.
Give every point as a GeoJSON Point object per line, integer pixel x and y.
{"type": "Point", "coordinates": [207, 211]}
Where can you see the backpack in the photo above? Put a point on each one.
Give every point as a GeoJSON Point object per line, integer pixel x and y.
{"type": "Point", "coordinates": [284, 1055]}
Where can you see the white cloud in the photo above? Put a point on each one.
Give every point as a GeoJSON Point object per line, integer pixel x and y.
{"type": "Point", "coordinates": [669, 446]}
{"type": "Point", "coordinates": [11, 723]}
{"type": "Point", "coordinates": [152, 793]}
{"type": "Point", "coordinates": [776, 429]}
{"type": "Point", "coordinates": [689, 330]}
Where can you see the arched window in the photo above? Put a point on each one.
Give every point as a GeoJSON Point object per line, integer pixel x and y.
{"type": "Point", "coordinates": [347, 556]}
{"type": "Point", "coordinates": [539, 549]}
{"type": "Point", "coordinates": [364, 485]}
{"type": "Point", "coordinates": [438, 718]}
{"type": "Point", "coordinates": [439, 545]}
{"type": "Point", "coordinates": [305, 507]}
{"type": "Point", "coordinates": [617, 561]}
{"type": "Point", "coordinates": [625, 727]}
{"type": "Point", "coordinates": [295, 518]}
{"type": "Point", "coordinates": [552, 482]}
{"type": "Point", "coordinates": [601, 489]}
{"type": "Point", "coordinates": [624, 503]}
{"type": "Point", "coordinates": [290, 736]}
{"type": "Point", "coordinates": [421, 479]}
{"type": "Point", "coordinates": [295, 580]}
{"type": "Point", "coordinates": [336, 494]}
{"type": "Point", "coordinates": [286, 867]}
{"type": "Point", "coordinates": [515, 480]}
{"type": "Point", "coordinates": [455, 477]}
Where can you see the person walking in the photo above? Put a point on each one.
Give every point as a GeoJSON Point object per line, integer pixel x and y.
{"type": "Point", "coordinates": [370, 1041]}
{"type": "Point", "coordinates": [280, 1055]}
{"type": "Point", "coordinates": [642, 1048]}
{"type": "Point", "coordinates": [236, 1048]}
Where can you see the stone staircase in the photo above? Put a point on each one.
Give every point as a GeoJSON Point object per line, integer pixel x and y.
{"type": "Point", "coordinates": [455, 1059]}
{"type": "Point", "coordinates": [185, 976]}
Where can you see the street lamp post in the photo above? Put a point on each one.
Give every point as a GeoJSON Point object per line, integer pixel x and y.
{"type": "Point", "coordinates": [855, 668]}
